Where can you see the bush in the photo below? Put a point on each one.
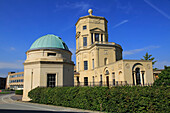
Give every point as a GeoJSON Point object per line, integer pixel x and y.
{"type": "Point", "coordinates": [164, 77]}
{"type": "Point", "coordinates": [115, 99]}
{"type": "Point", "coordinates": [19, 92]}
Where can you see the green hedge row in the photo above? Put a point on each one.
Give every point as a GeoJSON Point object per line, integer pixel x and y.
{"type": "Point", "coordinates": [19, 92]}
{"type": "Point", "coordinates": [115, 99]}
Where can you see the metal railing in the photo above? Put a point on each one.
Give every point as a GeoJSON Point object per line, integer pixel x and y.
{"type": "Point", "coordinates": [109, 84]}
{"type": "Point", "coordinates": [101, 83]}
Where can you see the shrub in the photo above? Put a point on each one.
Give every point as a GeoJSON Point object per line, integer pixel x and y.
{"type": "Point", "coordinates": [115, 99]}
{"type": "Point", "coordinates": [19, 92]}
{"type": "Point", "coordinates": [164, 77]}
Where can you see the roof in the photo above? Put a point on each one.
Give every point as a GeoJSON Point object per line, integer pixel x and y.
{"type": "Point", "coordinates": [49, 41]}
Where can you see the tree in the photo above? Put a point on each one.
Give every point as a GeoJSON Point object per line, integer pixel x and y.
{"type": "Point", "coordinates": [164, 77]}
{"type": "Point", "coordinates": [149, 57]}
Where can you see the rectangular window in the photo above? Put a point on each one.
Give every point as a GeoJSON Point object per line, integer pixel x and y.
{"type": "Point", "coordinates": [84, 27]}
{"type": "Point", "coordinates": [78, 79]}
{"type": "Point", "coordinates": [101, 80]}
{"type": "Point", "coordinates": [96, 36]}
{"type": "Point", "coordinates": [84, 41]}
{"type": "Point", "coordinates": [78, 66]}
{"type": "Point", "coordinates": [93, 81]}
{"type": "Point", "coordinates": [51, 54]}
{"type": "Point", "coordinates": [85, 65]}
{"type": "Point", "coordinates": [92, 63]}
{"type": "Point", "coordinates": [114, 82]}
{"type": "Point", "coordinates": [101, 37]}
{"type": "Point", "coordinates": [78, 42]}
{"type": "Point", "coordinates": [91, 38]}
{"type": "Point", "coordinates": [51, 79]}
{"type": "Point", "coordinates": [85, 81]}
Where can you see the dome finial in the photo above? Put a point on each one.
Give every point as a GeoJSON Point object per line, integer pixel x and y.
{"type": "Point", "coordinates": [90, 11]}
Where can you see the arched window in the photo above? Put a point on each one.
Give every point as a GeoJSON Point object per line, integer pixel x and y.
{"type": "Point", "coordinates": [105, 61]}
{"type": "Point", "coordinates": [138, 80]}
{"type": "Point", "coordinates": [107, 72]}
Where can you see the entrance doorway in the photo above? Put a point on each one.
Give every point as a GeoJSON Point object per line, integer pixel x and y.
{"type": "Point", "coordinates": [51, 80]}
{"type": "Point", "coordinates": [107, 81]}
{"type": "Point", "coordinates": [138, 80]}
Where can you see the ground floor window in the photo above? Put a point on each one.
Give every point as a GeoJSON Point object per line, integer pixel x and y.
{"type": "Point", "coordinates": [78, 81]}
{"type": "Point", "coordinates": [93, 81]}
{"type": "Point", "coordinates": [51, 79]}
{"type": "Point", "coordinates": [85, 81]}
{"type": "Point", "coordinates": [100, 80]}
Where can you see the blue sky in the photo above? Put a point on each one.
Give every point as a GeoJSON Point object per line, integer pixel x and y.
{"type": "Point", "coordinates": [139, 26]}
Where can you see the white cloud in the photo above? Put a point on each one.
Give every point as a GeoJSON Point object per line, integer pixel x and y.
{"type": "Point", "coordinates": [161, 64]}
{"type": "Point", "coordinates": [77, 5]}
{"type": "Point", "coordinates": [11, 65]}
{"type": "Point", "coordinates": [12, 49]}
{"type": "Point", "coordinates": [125, 7]}
{"type": "Point", "coordinates": [122, 22]}
{"type": "Point", "coordinates": [130, 52]}
{"type": "Point", "coordinates": [157, 9]}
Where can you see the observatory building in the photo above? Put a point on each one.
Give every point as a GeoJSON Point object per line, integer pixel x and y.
{"type": "Point", "coordinates": [48, 64]}
{"type": "Point", "coordinates": [100, 62]}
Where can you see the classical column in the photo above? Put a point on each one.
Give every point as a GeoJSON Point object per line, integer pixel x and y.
{"type": "Point", "coordinates": [93, 37]}
{"type": "Point", "coordinates": [143, 78]}
{"type": "Point", "coordinates": [134, 77]}
{"type": "Point", "coordinates": [99, 38]}
{"type": "Point", "coordinates": [104, 38]}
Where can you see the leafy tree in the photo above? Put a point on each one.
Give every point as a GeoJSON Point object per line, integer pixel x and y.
{"type": "Point", "coordinates": [164, 77]}
{"type": "Point", "coordinates": [149, 57]}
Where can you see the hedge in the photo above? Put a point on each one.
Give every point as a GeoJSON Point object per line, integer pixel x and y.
{"type": "Point", "coordinates": [19, 92]}
{"type": "Point", "coordinates": [115, 99]}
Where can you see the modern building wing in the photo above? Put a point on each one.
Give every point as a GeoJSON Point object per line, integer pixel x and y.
{"type": "Point", "coordinates": [15, 81]}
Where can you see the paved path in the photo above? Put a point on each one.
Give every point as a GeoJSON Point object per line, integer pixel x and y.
{"type": "Point", "coordinates": [7, 105]}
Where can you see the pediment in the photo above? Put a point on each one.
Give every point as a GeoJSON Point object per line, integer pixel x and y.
{"type": "Point", "coordinates": [97, 29]}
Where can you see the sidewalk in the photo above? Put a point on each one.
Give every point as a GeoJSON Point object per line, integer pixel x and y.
{"type": "Point", "coordinates": [18, 98]}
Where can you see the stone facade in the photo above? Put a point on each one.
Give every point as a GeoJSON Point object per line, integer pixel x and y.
{"type": "Point", "coordinates": [100, 62]}
{"type": "Point", "coordinates": [43, 62]}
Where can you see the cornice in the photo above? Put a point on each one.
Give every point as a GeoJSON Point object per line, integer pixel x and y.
{"type": "Point", "coordinates": [47, 62]}
{"type": "Point", "coordinates": [91, 16]}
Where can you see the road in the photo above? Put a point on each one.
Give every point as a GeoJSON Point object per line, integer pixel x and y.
{"type": "Point", "coordinates": [7, 105]}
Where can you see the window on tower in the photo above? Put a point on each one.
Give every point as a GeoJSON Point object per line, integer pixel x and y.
{"type": "Point", "coordinates": [105, 61]}
{"type": "Point", "coordinates": [84, 41]}
{"type": "Point", "coordinates": [78, 66]}
{"type": "Point", "coordinates": [101, 37]}
{"type": "Point", "coordinates": [96, 36]}
{"type": "Point", "coordinates": [51, 54]}
{"type": "Point", "coordinates": [78, 42]}
{"type": "Point", "coordinates": [84, 27]}
{"type": "Point", "coordinates": [92, 63]}
{"type": "Point", "coordinates": [85, 65]}
{"type": "Point", "coordinates": [91, 38]}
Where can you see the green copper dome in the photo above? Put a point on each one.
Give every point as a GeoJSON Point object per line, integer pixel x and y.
{"type": "Point", "coordinates": [49, 41]}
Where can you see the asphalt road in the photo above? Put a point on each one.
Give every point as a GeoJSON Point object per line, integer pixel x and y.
{"type": "Point", "coordinates": [7, 105]}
